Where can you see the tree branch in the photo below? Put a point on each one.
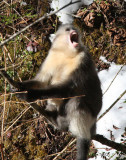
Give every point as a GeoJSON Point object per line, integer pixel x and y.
{"type": "Point", "coordinates": [99, 138]}
{"type": "Point", "coordinates": [105, 141]}
{"type": "Point", "coordinates": [38, 20]}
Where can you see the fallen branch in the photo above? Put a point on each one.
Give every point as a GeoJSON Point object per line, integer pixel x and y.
{"type": "Point", "coordinates": [38, 20]}
{"type": "Point", "coordinates": [112, 144]}
{"type": "Point", "coordinates": [98, 138]}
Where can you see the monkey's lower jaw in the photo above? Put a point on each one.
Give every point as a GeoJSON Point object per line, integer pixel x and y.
{"type": "Point", "coordinates": [74, 38]}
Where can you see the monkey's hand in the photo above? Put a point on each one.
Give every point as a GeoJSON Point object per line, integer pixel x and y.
{"type": "Point", "coordinates": [19, 93]}
{"type": "Point", "coordinates": [23, 95]}
{"type": "Point", "coordinates": [28, 96]}
{"type": "Point", "coordinates": [26, 90]}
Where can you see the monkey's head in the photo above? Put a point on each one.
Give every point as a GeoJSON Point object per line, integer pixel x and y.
{"type": "Point", "coordinates": [67, 38]}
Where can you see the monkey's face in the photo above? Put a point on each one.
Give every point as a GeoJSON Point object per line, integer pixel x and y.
{"type": "Point", "coordinates": [67, 38]}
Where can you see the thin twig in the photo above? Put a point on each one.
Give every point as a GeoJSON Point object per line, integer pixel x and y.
{"type": "Point", "coordinates": [4, 107]}
{"type": "Point", "coordinates": [113, 79]}
{"type": "Point", "coordinates": [15, 11]}
{"type": "Point", "coordinates": [6, 48]}
{"type": "Point", "coordinates": [24, 123]}
{"type": "Point", "coordinates": [60, 98]}
{"type": "Point", "coordinates": [14, 65]}
{"type": "Point", "coordinates": [39, 100]}
{"type": "Point", "coordinates": [112, 105]}
{"type": "Point", "coordinates": [15, 102]}
{"type": "Point", "coordinates": [68, 145]}
{"type": "Point", "coordinates": [12, 93]}
{"type": "Point", "coordinates": [38, 20]}
{"type": "Point", "coordinates": [23, 112]}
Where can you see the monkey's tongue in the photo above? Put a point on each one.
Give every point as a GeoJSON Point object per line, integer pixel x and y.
{"type": "Point", "coordinates": [75, 44]}
{"type": "Point", "coordinates": [74, 38]}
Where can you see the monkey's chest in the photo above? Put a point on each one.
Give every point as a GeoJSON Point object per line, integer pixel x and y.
{"type": "Point", "coordinates": [58, 67]}
{"type": "Point", "coordinates": [57, 74]}
{"type": "Point", "coordinates": [56, 71]}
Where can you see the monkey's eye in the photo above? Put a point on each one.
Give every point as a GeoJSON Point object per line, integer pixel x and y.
{"type": "Point", "coordinates": [67, 29]}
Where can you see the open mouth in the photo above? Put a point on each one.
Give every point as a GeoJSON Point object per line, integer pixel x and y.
{"type": "Point", "coordinates": [74, 38]}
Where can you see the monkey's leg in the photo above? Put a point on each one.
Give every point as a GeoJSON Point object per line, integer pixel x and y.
{"type": "Point", "coordinates": [82, 148]}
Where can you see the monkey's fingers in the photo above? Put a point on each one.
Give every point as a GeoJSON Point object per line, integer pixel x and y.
{"type": "Point", "coordinates": [13, 89]}
{"type": "Point", "coordinates": [26, 96]}
{"type": "Point", "coordinates": [22, 96]}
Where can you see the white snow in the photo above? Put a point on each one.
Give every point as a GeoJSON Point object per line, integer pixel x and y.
{"type": "Point", "coordinates": [117, 115]}
{"type": "Point", "coordinates": [65, 15]}
{"type": "Point", "coordinates": [52, 36]}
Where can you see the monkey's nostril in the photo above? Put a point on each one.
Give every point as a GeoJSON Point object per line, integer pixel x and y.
{"type": "Point", "coordinates": [67, 29]}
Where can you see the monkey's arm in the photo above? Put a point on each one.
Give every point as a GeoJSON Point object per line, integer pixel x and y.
{"type": "Point", "coordinates": [59, 91]}
{"type": "Point", "coordinates": [21, 85]}
{"type": "Point", "coordinates": [9, 79]}
{"type": "Point", "coordinates": [26, 85]}
{"type": "Point", "coordinates": [34, 93]}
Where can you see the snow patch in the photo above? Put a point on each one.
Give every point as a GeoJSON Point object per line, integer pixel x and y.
{"type": "Point", "coordinates": [117, 115]}
{"type": "Point", "coordinates": [65, 15]}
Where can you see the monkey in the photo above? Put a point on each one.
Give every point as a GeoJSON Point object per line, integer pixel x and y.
{"type": "Point", "coordinates": [68, 80]}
